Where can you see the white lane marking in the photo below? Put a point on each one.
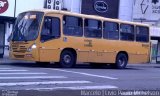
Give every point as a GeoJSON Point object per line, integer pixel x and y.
{"type": "Point", "coordinates": [33, 77]}
{"type": "Point", "coordinates": [12, 70]}
{"type": "Point", "coordinates": [87, 74]}
{"type": "Point", "coordinates": [17, 73]}
{"type": "Point", "coordinates": [5, 68]}
{"type": "Point", "coordinates": [79, 88]}
{"type": "Point", "coordinates": [43, 83]}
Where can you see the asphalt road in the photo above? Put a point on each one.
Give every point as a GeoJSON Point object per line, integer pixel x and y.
{"type": "Point", "coordinates": [54, 81]}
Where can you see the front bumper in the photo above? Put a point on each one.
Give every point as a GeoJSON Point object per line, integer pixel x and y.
{"type": "Point", "coordinates": [23, 56]}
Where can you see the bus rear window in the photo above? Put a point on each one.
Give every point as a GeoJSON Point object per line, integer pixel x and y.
{"type": "Point", "coordinates": [127, 32]}
{"type": "Point", "coordinates": [142, 34]}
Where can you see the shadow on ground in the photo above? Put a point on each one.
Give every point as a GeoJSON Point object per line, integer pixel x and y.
{"type": "Point", "coordinates": [78, 66]}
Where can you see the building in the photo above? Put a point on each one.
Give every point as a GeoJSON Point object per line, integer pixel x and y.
{"type": "Point", "coordinates": [148, 11]}
{"type": "Point", "coordinates": [121, 9]}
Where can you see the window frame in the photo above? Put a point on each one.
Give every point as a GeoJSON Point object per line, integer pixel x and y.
{"type": "Point", "coordinates": [148, 35]}
{"type": "Point", "coordinates": [131, 33]}
{"type": "Point", "coordinates": [43, 24]}
{"type": "Point", "coordinates": [101, 28]}
{"type": "Point", "coordinates": [82, 22]}
{"type": "Point", "coordinates": [118, 32]}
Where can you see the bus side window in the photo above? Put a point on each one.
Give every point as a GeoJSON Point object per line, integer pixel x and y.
{"type": "Point", "coordinates": [51, 28]}
{"type": "Point", "coordinates": [55, 27]}
{"type": "Point", "coordinates": [142, 34]}
{"type": "Point", "coordinates": [93, 28]}
{"type": "Point", "coordinates": [111, 30]}
{"type": "Point", "coordinates": [127, 32]}
{"type": "Point", "coordinates": [46, 30]}
{"type": "Point", "coordinates": [72, 26]}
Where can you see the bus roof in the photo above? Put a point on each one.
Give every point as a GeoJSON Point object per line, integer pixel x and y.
{"type": "Point", "coordinates": [47, 11]}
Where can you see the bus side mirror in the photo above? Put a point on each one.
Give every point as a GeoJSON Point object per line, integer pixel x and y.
{"type": "Point", "coordinates": [9, 38]}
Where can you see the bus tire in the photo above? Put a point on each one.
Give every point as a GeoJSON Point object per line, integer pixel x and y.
{"type": "Point", "coordinates": [67, 59]}
{"type": "Point", "coordinates": [121, 61]}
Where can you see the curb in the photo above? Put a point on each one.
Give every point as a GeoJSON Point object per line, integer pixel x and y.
{"type": "Point", "coordinates": [144, 65]}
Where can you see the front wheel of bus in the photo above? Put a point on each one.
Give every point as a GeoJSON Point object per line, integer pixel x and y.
{"type": "Point", "coordinates": [67, 59]}
{"type": "Point", "coordinates": [121, 61]}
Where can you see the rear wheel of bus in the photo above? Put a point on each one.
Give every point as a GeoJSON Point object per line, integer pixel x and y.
{"type": "Point", "coordinates": [67, 59]}
{"type": "Point", "coordinates": [121, 61]}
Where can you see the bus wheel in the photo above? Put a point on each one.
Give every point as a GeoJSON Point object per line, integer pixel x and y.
{"type": "Point", "coordinates": [67, 59]}
{"type": "Point", "coordinates": [121, 61]}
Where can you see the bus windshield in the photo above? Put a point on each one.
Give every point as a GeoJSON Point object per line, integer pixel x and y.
{"type": "Point", "coordinates": [27, 26]}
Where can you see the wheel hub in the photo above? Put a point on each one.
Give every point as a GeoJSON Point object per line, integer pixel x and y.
{"type": "Point", "coordinates": [67, 58]}
{"type": "Point", "coordinates": [121, 61]}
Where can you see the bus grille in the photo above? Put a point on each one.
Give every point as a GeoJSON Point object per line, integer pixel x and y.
{"type": "Point", "coordinates": [20, 49]}
{"type": "Point", "coordinates": [19, 56]}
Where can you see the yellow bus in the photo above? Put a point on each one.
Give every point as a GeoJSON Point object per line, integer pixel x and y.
{"type": "Point", "coordinates": [66, 38]}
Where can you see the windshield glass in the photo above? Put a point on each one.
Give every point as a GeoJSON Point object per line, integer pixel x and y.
{"type": "Point", "coordinates": [27, 26]}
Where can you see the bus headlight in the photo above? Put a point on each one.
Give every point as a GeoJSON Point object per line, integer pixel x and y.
{"type": "Point", "coordinates": [34, 46]}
